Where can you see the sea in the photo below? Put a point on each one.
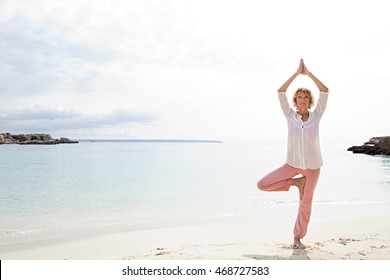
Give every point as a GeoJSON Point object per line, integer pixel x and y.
{"type": "Point", "coordinates": [54, 192]}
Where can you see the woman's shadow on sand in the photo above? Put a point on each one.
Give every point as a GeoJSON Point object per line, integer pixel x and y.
{"type": "Point", "coordinates": [298, 254]}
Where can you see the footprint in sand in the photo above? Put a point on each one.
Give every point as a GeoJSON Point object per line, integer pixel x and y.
{"type": "Point", "coordinates": [161, 252]}
{"type": "Point", "coordinates": [344, 241]}
{"type": "Point", "coordinates": [379, 247]}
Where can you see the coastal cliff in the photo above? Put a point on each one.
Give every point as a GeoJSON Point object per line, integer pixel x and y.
{"type": "Point", "coordinates": [375, 146]}
{"type": "Point", "coordinates": [33, 139]}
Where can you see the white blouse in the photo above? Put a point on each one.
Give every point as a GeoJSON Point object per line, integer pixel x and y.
{"type": "Point", "coordinates": [303, 147]}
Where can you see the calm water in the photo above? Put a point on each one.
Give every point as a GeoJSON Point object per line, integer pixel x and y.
{"type": "Point", "coordinates": [108, 186]}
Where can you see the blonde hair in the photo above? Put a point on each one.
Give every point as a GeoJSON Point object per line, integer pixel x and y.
{"type": "Point", "coordinates": [303, 90]}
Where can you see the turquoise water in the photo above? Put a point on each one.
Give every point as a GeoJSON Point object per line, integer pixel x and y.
{"type": "Point", "coordinates": [110, 186]}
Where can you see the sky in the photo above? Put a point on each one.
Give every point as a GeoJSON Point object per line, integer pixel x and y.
{"type": "Point", "coordinates": [186, 69]}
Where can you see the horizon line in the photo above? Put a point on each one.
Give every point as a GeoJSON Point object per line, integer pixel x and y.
{"type": "Point", "coordinates": [151, 140]}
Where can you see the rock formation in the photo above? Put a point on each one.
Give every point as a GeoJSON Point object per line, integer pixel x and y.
{"type": "Point", "coordinates": [375, 146]}
{"type": "Point", "coordinates": [32, 139]}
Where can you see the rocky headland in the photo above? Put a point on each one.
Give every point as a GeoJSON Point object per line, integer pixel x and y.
{"type": "Point", "coordinates": [33, 139]}
{"type": "Point", "coordinates": [375, 146]}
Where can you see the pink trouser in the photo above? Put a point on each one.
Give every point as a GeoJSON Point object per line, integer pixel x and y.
{"type": "Point", "coordinates": [281, 179]}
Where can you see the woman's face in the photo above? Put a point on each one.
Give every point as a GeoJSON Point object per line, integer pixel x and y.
{"type": "Point", "coordinates": [303, 100]}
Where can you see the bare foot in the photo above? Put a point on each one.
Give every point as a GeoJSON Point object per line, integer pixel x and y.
{"type": "Point", "coordinates": [298, 244]}
{"type": "Point", "coordinates": [300, 183]}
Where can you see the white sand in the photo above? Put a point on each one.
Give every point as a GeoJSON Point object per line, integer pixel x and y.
{"type": "Point", "coordinates": [366, 237]}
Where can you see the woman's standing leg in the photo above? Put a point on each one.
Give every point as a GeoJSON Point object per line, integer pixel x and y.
{"type": "Point", "coordinates": [305, 204]}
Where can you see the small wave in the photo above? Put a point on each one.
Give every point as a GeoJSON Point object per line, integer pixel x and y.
{"type": "Point", "coordinates": [350, 202]}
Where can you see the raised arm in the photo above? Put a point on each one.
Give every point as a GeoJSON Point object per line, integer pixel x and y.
{"type": "Point", "coordinates": [319, 84]}
{"type": "Point", "coordinates": [300, 70]}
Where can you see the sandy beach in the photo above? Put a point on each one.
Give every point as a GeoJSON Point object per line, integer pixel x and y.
{"type": "Point", "coordinates": [349, 238]}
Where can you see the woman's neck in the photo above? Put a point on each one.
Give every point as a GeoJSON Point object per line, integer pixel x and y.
{"type": "Point", "coordinates": [303, 112]}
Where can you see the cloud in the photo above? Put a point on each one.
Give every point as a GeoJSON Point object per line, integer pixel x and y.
{"type": "Point", "coordinates": [47, 119]}
{"type": "Point", "coordinates": [37, 58]}
{"type": "Point", "coordinates": [38, 113]}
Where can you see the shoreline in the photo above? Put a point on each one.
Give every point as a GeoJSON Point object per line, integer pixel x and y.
{"type": "Point", "coordinates": [358, 237]}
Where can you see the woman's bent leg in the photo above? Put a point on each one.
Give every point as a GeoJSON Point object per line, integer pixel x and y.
{"type": "Point", "coordinates": [278, 180]}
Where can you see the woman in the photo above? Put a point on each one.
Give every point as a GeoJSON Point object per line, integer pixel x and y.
{"type": "Point", "coordinates": [303, 149]}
